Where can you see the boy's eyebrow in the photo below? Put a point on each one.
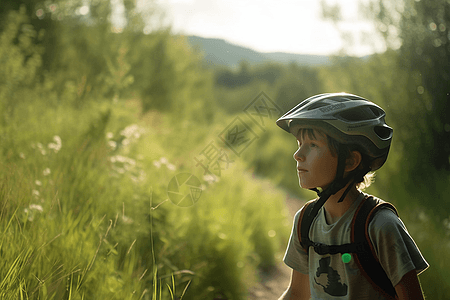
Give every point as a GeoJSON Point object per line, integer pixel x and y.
{"type": "Point", "coordinates": [307, 131]}
{"type": "Point", "coordinates": [301, 132]}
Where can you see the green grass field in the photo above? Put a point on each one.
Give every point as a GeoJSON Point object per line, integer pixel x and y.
{"type": "Point", "coordinates": [85, 211]}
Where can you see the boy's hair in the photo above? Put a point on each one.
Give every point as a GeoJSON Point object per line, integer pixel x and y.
{"type": "Point", "coordinates": [334, 145]}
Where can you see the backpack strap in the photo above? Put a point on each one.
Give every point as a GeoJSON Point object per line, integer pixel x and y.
{"type": "Point", "coordinates": [304, 224]}
{"type": "Point", "coordinates": [367, 260]}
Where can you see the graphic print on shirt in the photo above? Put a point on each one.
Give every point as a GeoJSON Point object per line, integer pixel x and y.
{"type": "Point", "coordinates": [334, 287]}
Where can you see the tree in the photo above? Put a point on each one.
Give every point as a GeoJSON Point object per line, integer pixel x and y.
{"type": "Point", "coordinates": [423, 29]}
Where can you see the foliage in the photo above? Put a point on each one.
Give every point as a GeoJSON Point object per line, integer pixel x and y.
{"type": "Point", "coordinates": [422, 27]}
{"type": "Point", "coordinates": [171, 79]}
{"type": "Point", "coordinates": [286, 85]}
{"type": "Point", "coordinates": [20, 59]}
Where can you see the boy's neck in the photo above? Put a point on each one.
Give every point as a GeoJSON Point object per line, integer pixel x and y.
{"type": "Point", "coordinates": [335, 210]}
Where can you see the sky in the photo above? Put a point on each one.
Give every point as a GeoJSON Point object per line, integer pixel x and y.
{"type": "Point", "coordinates": [293, 26]}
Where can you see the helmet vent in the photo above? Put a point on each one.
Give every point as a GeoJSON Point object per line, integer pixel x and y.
{"type": "Point", "coordinates": [377, 112]}
{"type": "Point", "coordinates": [344, 99]}
{"type": "Point", "coordinates": [358, 114]}
{"type": "Point", "coordinates": [317, 105]}
{"type": "Point", "coordinates": [384, 132]}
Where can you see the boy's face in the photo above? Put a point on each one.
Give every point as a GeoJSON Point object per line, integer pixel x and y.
{"type": "Point", "coordinates": [316, 165]}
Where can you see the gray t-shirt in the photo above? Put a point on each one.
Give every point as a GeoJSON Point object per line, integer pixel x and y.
{"type": "Point", "coordinates": [330, 277]}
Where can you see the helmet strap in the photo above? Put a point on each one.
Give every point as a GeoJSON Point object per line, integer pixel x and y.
{"type": "Point", "coordinates": [339, 182]}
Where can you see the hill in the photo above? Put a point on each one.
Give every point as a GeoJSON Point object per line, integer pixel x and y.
{"type": "Point", "coordinates": [218, 52]}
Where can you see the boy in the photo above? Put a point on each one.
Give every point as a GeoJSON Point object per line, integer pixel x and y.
{"type": "Point", "coordinates": [341, 138]}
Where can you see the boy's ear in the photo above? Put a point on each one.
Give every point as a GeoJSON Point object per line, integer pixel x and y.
{"type": "Point", "coordinates": [353, 161]}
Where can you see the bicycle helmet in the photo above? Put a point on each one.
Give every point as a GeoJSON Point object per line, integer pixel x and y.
{"type": "Point", "coordinates": [349, 119]}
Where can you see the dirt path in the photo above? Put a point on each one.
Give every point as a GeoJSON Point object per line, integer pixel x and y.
{"type": "Point", "coordinates": [275, 281]}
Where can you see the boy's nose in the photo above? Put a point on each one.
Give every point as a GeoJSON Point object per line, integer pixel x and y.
{"type": "Point", "coordinates": [298, 156]}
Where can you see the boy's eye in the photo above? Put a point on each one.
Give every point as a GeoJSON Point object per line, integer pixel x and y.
{"type": "Point", "coordinates": [313, 145]}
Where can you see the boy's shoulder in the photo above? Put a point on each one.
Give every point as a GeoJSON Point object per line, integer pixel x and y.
{"type": "Point", "coordinates": [385, 211]}
{"type": "Point", "coordinates": [382, 214]}
{"type": "Point", "coordinates": [386, 220]}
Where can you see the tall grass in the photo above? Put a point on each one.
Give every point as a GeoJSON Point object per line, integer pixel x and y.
{"type": "Point", "coordinates": [85, 212]}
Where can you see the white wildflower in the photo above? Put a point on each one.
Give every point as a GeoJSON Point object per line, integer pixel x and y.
{"type": "Point", "coordinates": [163, 160]}
{"type": "Point", "coordinates": [157, 164]}
{"type": "Point", "coordinates": [31, 209]}
{"type": "Point", "coordinates": [35, 193]}
{"type": "Point", "coordinates": [38, 182]}
{"type": "Point", "coordinates": [57, 140]}
{"type": "Point", "coordinates": [130, 130]}
{"type": "Point", "coordinates": [109, 135]}
{"type": "Point", "coordinates": [123, 160]}
{"type": "Point", "coordinates": [21, 155]}
{"type": "Point", "coordinates": [36, 207]}
{"type": "Point", "coordinates": [131, 133]}
{"type": "Point", "coordinates": [47, 172]}
{"type": "Point", "coordinates": [56, 146]}
{"type": "Point", "coordinates": [39, 145]}
{"type": "Point", "coordinates": [171, 167]}
{"type": "Point", "coordinates": [122, 163]}
{"type": "Point", "coordinates": [112, 145]}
